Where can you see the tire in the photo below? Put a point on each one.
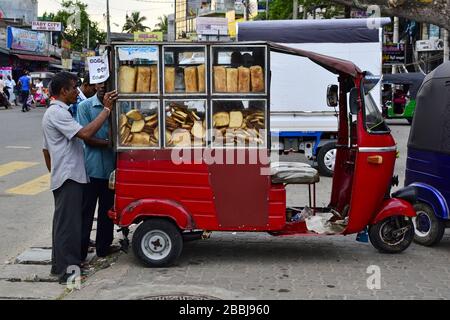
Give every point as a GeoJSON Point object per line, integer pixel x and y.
{"type": "Point", "coordinates": [157, 243]}
{"type": "Point", "coordinates": [409, 120]}
{"type": "Point", "coordinates": [326, 159]}
{"type": "Point", "coordinates": [428, 228]}
{"type": "Point", "coordinates": [383, 240]}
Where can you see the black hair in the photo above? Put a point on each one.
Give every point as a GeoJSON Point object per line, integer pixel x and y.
{"type": "Point", "coordinates": [86, 78]}
{"type": "Point", "coordinates": [62, 80]}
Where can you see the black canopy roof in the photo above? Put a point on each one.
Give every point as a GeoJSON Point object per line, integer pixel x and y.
{"type": "Point", "coordinates": [414, 79]}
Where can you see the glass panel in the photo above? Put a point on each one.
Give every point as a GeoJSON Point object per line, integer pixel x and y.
{"type": "Point", "coordinates": [138, 123]}
{"type": "Point", "coordinates": [239, 123]}
{"type": "Point", "coordinates": [239, 69]}
{"type": "Point", "coordinates": [186, 123]}
{"type": "Point", "coordinates": [137, 69]}
{"type": "Point", "coordinates": [184, 70]}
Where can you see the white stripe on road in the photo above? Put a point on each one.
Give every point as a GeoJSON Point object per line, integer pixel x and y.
{"type": "Point", "coordinates": [17, 147]}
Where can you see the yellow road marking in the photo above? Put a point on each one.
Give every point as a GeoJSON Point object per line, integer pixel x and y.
{"type": "Point", "coordinates": [13, 166]}
{"type": "Point", "coordinates": [32, 187]}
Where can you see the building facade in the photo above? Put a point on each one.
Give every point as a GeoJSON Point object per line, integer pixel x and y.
{"type": "Point", "coordinates": [24, 10]}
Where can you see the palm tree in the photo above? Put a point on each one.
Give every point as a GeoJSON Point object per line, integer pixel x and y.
{"type": "Point", "coordinates": [162, 24]}
{"type": "Point", "coordinates": [134, 22]}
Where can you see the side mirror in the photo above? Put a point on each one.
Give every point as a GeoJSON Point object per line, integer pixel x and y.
{"type": "Point", "coordinates": [332, 95]}
{"type": "Point", "coordinates": [353, 101]}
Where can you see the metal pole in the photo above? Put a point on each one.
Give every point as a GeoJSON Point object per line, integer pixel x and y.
{"type": "Point", "coordinates": [396, 37]}
{"type": "Point", "coordinates": [88, 31]}
{"type": "Point", "coordinates": [267, 9]}
{"type": "Point", "coordinates": [108, 26]}
{"type": "Point", "coordinates": [295, 10]}
{"type": "Point", "coordinates": [446, 46]}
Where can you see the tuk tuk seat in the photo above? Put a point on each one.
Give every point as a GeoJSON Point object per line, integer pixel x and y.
{"type": "Point", "coordinates": [293, 173]}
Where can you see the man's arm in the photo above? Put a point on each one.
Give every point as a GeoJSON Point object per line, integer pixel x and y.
{"type": "Point", "coordinates": [48, 162]}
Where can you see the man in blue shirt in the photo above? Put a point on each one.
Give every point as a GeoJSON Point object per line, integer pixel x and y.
{"type": "Point", "coordinates": [100, 162]}
{"type": "Point", "coordinates": [85, 91]}
{"type": "Point", "coordinates": [25, 86]}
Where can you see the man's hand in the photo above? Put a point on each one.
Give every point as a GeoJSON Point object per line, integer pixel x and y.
{"type": "Point", "coordinates": [109, 99]}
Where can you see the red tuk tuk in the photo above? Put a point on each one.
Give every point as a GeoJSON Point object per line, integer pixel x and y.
{"type": "Point", "coordinates": [182, 125]}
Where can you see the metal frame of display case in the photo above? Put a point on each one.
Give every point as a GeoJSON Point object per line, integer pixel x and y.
{"type": "Point", "coordinates": [209, 96]}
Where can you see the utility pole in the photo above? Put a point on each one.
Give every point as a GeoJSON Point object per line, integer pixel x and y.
{"type": "Point", "coordinates": [267, 9]}
{"type": "Point", "coordinates": [396, 38]}
{"type": "Point", "coordinates": [88, 31]}
{"type": "Point", "coordinates": [108, 26]}
{"type": "Point", "coordinates": [446, 46]}
{"type": "Point", "coordinates": [295, 10]}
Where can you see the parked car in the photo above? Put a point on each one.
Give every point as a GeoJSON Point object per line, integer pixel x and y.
{"type": "Point", "coordinates": [428, 162]}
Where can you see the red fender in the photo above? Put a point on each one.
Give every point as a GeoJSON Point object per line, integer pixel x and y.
{"type": "Point", "coordinates": [394, 207]}
{"type": "Point", "coordinates": [157, 208]}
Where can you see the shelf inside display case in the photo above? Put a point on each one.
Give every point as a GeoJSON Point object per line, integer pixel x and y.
{"type": "Point", "coordinates": [239, 69]}
{"type": "Point", "coordinates": [239, 123]}
{"type": "Point", "coordinates": [184, 70]}
{"type": "Point", "coordinates": [185, 123]}
{"type": "Point", "coordinates": [137, 70]}
{"type": "Point", "coordinates": [138, 124]}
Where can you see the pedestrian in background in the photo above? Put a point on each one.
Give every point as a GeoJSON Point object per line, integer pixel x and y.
{"type": "Point", "coordinates": [25, 86]}
{"type": "Point", "coordinates": [85, 91]}
{"type": "Point", "coordinates": [100, 163]}
{"type": "Point", "coordinates": [11, 85]}
{"type": "Point", "coordinates": [64, 158]}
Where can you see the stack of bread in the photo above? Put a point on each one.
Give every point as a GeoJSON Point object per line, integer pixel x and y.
{"type": "Point", "coordinates": [140, 79]}
{"type": "Point", "coordinates": [137, 130]}
{"type": "Point", "coordinates": [194, 79]}
{"type": "Point", "coordinates": [242, 79]}
{"type": "Point", "coordinates": [184, 127]}
{"type": "Point", "coordinates": [240, 127]}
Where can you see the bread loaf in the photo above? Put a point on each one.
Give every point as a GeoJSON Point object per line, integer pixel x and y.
{"type": "Point", "coordinates": [221, 119]}
{"type": "Point", "coordinates": [232, 80]}
{"type": "Point", "coordinates": [257, 78]}
{"type": "Point", "coordinates": [236, 119]}
{"type": "Point", "coordinates": [201, 78]}
{"type": "Point", "coordinates": [143, 79]}
{"type": "Point", "coordinates": [127, 79]}
{"type": "Point", "coordinates": [190, 79]}
{"type": "Point", "coordinates": [154, 79]}
{"type": "Point", "coordinates": [220, 79]}
{"type": "Point", "coordinates": [244, 79]}
{"type": "Point", "coordinates": [169, 79]}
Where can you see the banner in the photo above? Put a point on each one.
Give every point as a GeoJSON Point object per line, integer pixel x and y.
{"type": "Point", "coordinates": [46, 26]}
{"type": "Point", "coordinates": [132, 53]}
{"type": "Point", "coordinates": [98, 69]}
{"type": "Point", "coordinates": [5, 71]}
{"type": "Point", "coordinates": [212, 26]}
{"type": "Point", "coordinates": [26, 40]}
{"type": "Point", "coordinates": [148, 36]}
{"type": "Point", "coordinates": [393, 54]}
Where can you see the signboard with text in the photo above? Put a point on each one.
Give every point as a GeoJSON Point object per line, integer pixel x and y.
{"type": "Point", "coordinates": [148, 36]}
{"type": "Point", "coordinates": [46, 26]}
{"type": "Point", "coordinates": [212, 26]}
{"type": "Point", "coordinates": [26, 40]}
{"type": "Point", "coordinates": [393, 53]}
{"type": "Point", "coordinates": [98, 69]}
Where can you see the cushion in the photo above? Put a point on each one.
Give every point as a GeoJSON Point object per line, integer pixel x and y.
{"type": "Point", "coordinates": [293, 173]}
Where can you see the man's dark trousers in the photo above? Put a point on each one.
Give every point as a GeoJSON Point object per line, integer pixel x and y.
{"type": "Point", "coordinates": [24, 96]}
{"type": "Point", "coordinates": [97, 189]}
{"type": "Point", "coordinates": [66, 234]}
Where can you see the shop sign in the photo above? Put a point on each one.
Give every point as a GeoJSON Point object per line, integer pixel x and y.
{"type": "Point", "coordinates": [148, 36]}
{"type": "Point", "coordinates": [393, 53]}
{"type": "Point", "coordinates": [26, 40]}
{"type": "Point", "coordinates": [98, 68]}
{"type": "Point", "coordinates": [46, 26]}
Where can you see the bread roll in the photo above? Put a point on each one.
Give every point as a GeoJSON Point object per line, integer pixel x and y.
{"type": "Point", "coordinates": [190, 79]}
{"type": "Point", "coordinates": [143, 79]}
{"type": "Point", "coordinates": [221, 119]}
{"type": "Point", "coordinates": [154, 79]}
{"type": "Point", "coordinates": [220, 79]}
{"type": "Point", "coordinates": [127, 79]}
{"type": "Point", "coordinates": [236, 119]}
{"type": "Point", "coordinates": [232, 80]}
{"type": "Point", "coordinates": [201, 78]}
{"type": "Point", "coordinates": [169, 79]}
{"type": "Point", "coordinates": [257, 78]}
{"type": "Point", "coordinates": [244, 79]}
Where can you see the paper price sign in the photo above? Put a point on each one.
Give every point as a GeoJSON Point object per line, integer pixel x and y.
{"type": "Point", "coordinates": [98, 69]}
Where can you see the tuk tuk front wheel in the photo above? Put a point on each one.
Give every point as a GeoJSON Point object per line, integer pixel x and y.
{"type": "Point", "coordinates": [157, 243]}
{"type": "Point", "coordinates": [326, 158]}
{"type": "Point", "coordinates": [428, 228]}
{"type": "Point", "coordinates": [392, 235]}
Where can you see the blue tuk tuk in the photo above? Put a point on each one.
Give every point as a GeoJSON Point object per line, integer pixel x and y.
{"type": "Point", "coordinates": [428, 162]}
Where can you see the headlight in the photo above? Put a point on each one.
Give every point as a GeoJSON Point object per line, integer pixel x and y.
{"type": "Point", "coordinates": [112, 180]}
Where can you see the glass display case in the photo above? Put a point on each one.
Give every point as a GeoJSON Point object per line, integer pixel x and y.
{"type": "Point", "coordinates": [185, 123]}
{"type": "Point", "coordinates": [137, 70]}
{"type": "Point", "coordinates": [239, 69]}
{"type": "Point", "coordinates": [239, 123]}
{"type": "Point", "coordinates": [138, 124]}
{"type": "Point", "coordinates": [184, 70]}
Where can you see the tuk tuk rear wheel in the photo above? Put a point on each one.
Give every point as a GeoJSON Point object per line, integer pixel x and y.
{"type": "Point", "coordinates": [392, 235]}
{"type": "Point", "coordinates": [428, 228]}
{"type": "Point", "coordinates": [157, 243]}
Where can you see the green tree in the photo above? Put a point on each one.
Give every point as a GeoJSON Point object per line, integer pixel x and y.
{"type": "Point", "coordinates": [282, 9]}
{"type": "Point", "coordinates": [76, 22]}
{"type": "Point", "coordinates": [162, 24]}
{"type": "Point", "coordinates": [134, 23]}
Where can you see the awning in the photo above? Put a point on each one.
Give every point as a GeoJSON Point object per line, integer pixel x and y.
{"type": "Point", "coordinates": [36, 58]}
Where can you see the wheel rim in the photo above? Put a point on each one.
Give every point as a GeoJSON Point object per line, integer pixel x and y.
{"type": "Point", "coordinates": [156, 245]}
{"type": "Point", "coordinates": [386, 233]}
{"type": "Point", "coordinates": [422, 224]}
{"type": "Point", "coordinates": [329, 159]}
